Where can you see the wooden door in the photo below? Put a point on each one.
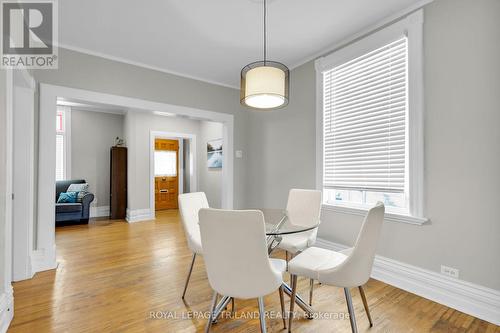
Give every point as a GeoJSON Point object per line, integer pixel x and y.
{"type": "Point", "coordinates": [166, 174]}
{"type": "Point", "coordinates": [118, 183]}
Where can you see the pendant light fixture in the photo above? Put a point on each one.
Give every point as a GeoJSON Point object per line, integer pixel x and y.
{"type": "Point", "coordinates": [264, 84]}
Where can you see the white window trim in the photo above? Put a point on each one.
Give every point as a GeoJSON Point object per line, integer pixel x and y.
{"type": "Point", "coordinates": [67, 140]}
{"type": "Point", "coordinates": [411, 26]}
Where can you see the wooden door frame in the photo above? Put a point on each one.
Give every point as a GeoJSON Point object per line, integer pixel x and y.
{"type": "Point", "coordinates": [153, 135]}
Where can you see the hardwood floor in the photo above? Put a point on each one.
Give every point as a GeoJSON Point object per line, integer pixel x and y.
{"type": "Point", "coordinates": [120, 277]}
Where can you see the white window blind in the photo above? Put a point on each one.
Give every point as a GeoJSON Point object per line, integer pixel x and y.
{"type": "Point", "coordinates": [364, 108]}
{"type": "Point", "coordinates": [59, 157]}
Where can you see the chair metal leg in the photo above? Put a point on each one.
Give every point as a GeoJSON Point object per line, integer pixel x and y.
{"type": "Point", "coordinates": [286, 259]}
{"type": "Point", "coordinates": [292, 301]}
{"type": "Point", "coordinates": [282, 302]}
{"type": "Point", "coordinates": [350, 307]}
{"type": "Point", "coordinates": [262, 317]}
{"type": "Point", "coordinates": [189, 275]}
{"type": "Point", "coordinates": [311, 287]}
{"type": "Point", "coordinates": [365, 303]}
{"type": "Point", "coordinates": [211, 315]}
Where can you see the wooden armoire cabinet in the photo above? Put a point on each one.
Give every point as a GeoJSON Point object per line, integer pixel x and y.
{"type": "Point", "coordinates": [118, 183]}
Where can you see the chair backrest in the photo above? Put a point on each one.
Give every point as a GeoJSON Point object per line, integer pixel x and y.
{"type": "Point", "coordinates": [189, 207]}
{"type": "Point", "coordinates": [356, 268]}
{"type": "Point", "coordinates": [235, 253]}
{"type": "Point", "coordinates": [304, 207]}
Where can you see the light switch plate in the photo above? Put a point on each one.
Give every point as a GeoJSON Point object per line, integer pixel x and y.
{"type": "Point", "coordinates": [239, 154]}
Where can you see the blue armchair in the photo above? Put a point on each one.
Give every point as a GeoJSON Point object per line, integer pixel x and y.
{"type": "Point", "coordinates": [72, 211]}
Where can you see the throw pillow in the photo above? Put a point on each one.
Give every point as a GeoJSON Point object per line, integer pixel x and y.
{"type": "Point", "coordinates": [82, 190]}
{"type": "Point", "coordinates": [67, 197]}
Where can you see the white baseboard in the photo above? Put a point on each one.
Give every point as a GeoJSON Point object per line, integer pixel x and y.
{"type": "Point", "coordinates": [470, 298]}
{"type": "Point", "coordinates": [6, 309]}
{"type": "Point", "coordinates": [138, 215]}
{"type": "Point", "coordinates": [43, 260]}
{"type": "Point", "coordinates": [101, 211]}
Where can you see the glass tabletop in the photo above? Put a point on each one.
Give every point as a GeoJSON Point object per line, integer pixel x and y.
{"type": "Point", "coordinates": [278, 223]}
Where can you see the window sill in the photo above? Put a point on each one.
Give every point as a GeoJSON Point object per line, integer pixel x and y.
{"type": "Point", "coordinates": [390, 217]}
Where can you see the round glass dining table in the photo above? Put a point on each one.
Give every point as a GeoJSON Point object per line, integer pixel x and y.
{"type": "Point", "coordinates": [278, 224]}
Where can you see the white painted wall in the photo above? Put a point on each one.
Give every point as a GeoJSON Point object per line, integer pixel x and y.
{"type": "Point", "coordinates": [209, 180]}
{"type": "Point", "coordinates": [462, 151]}
{"type": "Point", "coordinates": [92, 135]}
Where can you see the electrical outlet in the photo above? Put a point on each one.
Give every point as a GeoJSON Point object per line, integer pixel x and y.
{"type": "Point", "coordinates": [450, 271]}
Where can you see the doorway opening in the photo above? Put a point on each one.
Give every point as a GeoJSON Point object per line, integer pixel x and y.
{"type": "Point", "coordinates": [139, 208]}
{"type": "Point", "coordinates": [168, 169]}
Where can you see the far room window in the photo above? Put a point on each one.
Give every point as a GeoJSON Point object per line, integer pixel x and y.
{"type": "Point", "coordinates": [369, 114]}
{"type": "Point", "coordinates": [165, 163]}
{"type": "Point", "coordinates": [62, 143]}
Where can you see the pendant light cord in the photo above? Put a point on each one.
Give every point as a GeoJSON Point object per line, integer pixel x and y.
{"type": "Point", "coordinates": [265, 32]}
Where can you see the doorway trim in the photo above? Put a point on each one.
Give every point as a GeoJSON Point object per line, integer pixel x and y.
{"type": "Point", "coordinates": [193, 183]}
{"type": "Point", "coordinates": [45, 253]}
{"type": "Point", "coordinates": [6, 291]}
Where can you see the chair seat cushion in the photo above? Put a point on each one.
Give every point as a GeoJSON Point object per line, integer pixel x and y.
{"type": "Point", "coordinates": [294, 243]}
{"type": "Point", "coordinates": [313, 260]}
{"type": "Point", "coordinates": [68, 207]}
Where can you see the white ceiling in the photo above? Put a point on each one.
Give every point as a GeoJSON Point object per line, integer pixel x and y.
{"type": "Point", "coordinates": [213, 39]}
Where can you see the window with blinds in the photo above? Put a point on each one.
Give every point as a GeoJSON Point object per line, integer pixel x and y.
{"type": "Point", "coordinates": [365, 115]}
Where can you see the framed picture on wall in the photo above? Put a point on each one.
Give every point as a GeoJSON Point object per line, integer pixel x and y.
{"type": "Point", "coordinates": [214, 154]}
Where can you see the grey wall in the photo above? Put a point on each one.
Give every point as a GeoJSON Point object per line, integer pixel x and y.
{"type": "Point", "coordinates": [77, 70]}
{"type": "Point", "coordinates": [281, 147]}
{"type": "Point", "coordinates": [462, 150]}
{"type": "Point", "coordinates": [92, 135]}
{"type": "Point", "coordinates": [210, 180]}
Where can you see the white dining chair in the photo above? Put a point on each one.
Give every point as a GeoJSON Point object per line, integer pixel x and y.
{"type": "Point", "coordinates": [189, 206]}
{"type": "Point", "coordinates": [303, 208]}
{"type": "Point", "coordinates": [236, 258]}
{"type": "Point", "coordinates": [346, 269]}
